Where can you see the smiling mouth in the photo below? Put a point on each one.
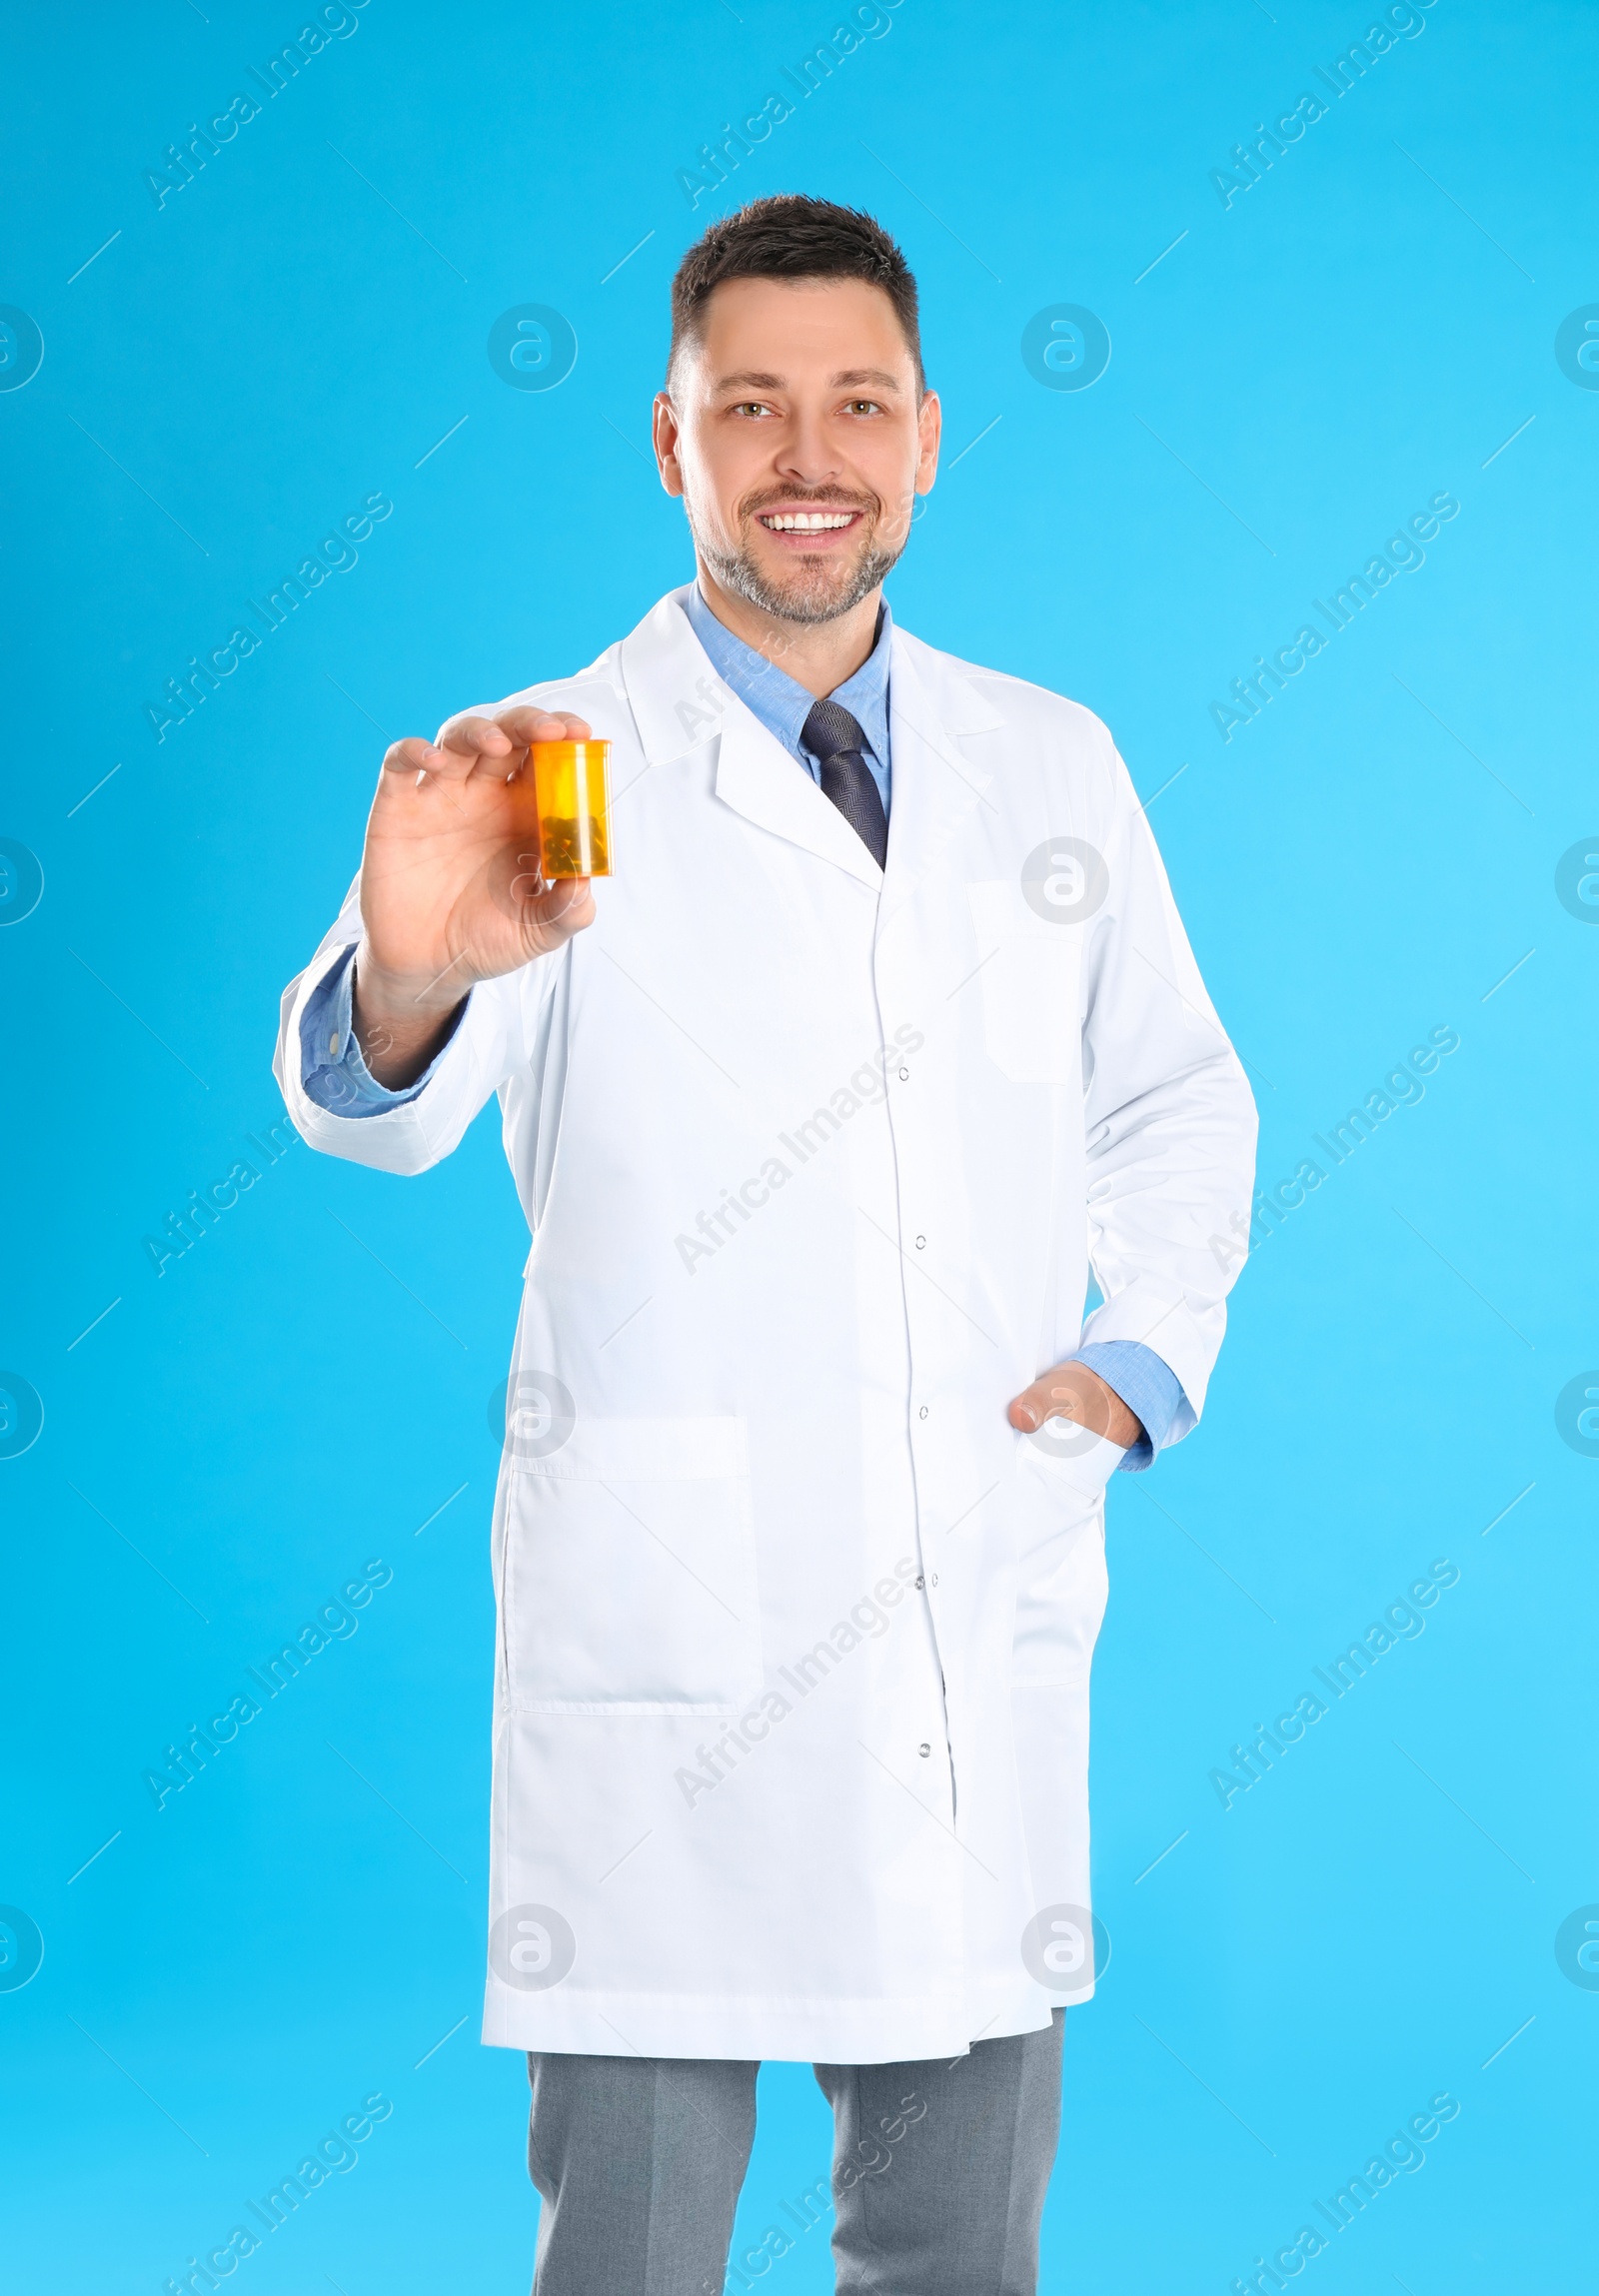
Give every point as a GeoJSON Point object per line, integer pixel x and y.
{"type": "Point", "coordinates": [808, 522]}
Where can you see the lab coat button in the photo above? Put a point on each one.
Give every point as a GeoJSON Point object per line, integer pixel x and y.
{"type": "Point", "coordinates": [924, 1411]}
{"type": "Point", "coordinates": [924, 1750]}
{"type": "Point", "coordinates": [922, 1582]}
{"type": "Point", "coordinates": [921, 1243]}
{"type": "Point", "coordinates": [904, 1076]}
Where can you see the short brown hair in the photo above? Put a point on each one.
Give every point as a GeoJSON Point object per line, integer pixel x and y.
{"type": "Point", "coordinates": [792, 237]}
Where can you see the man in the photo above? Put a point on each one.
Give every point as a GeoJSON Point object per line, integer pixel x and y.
{"type": "Point", "coordinates": [821, 1108]}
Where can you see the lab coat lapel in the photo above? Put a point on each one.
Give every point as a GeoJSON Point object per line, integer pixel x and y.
{"type": "Point", "coordinates": [678, 703]}
{"type": "Point", "coordinates": [940, 776]}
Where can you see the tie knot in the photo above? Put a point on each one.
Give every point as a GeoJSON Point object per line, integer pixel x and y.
{"type": "Point", "coordinates": [831, 731]}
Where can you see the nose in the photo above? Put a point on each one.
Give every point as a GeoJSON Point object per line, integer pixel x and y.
{"type": "Point", "coordinates": [807, 457]}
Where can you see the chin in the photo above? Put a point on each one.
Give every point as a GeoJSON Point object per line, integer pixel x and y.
{"type": "Point", "coordinates": [812, 591]}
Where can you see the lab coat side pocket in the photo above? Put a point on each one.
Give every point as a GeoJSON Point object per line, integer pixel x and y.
{"type": "Point", "coordinates": [630, 1578]}
{"type": "Point", "coordinates": [1062, 1584]}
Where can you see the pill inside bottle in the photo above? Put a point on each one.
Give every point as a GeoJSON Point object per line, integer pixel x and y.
{"type": "Point", "coordinates": [571, 788]}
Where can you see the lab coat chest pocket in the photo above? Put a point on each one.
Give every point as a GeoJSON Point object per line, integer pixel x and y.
{"type": "Point", "coordinates": [630, 1578]}
{"type": "Point", "coordinates": [1062, 1584]}
{"type": "Point", "coordinates": [1028, 971]}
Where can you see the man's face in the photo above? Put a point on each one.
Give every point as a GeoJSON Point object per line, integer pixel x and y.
{"type": "Point", "coordinates": [795, 435]}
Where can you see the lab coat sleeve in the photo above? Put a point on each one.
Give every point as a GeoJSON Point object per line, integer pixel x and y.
{"type": "Point", "coordinates": [1148, 1387]}
{"type": "Point", "coordinates": [490, 1042]}
{"type": "Point", "coordinates": [331, 1067]}
{"type": "Point", "coordinates": [1170, 1122]}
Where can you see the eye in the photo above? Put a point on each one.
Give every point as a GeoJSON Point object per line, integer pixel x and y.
{"type": "Point", "coordinates": [751, 406]}
{"type": "Point", "coordinates": [863, 407]}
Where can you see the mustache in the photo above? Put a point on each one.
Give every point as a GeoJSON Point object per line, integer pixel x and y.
{"type": "Point", "coordinates": [816, 498]}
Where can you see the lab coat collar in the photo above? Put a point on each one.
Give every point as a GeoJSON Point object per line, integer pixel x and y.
{"type": "Point", "coordinates": [679, 703]}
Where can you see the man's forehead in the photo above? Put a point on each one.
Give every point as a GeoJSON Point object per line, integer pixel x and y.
{"type": "Point", "coordinates": [771, 334]}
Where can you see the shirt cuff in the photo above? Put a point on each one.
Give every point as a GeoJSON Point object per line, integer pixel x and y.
{"type": "Point", "coordinates": [1149, 1388]}
{"type": "Point", "coordinates": [331, 1067]}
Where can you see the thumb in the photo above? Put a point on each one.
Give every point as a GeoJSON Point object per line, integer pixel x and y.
{"type": "Point", "coordinates": [562, 910]}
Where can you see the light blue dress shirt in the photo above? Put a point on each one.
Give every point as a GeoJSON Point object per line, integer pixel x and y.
{"type": "Point", "coordinates": [338, 1079]}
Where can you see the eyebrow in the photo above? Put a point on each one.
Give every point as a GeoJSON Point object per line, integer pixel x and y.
{"type": "Point", "coordinates": [750, 379]}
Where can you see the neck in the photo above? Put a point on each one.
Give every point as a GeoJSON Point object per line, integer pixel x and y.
{"type": "Point", "coordinates": [818, 655]}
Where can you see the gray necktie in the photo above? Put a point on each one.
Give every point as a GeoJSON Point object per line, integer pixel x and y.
{"type": "Point", "coordinates": [835, 740]}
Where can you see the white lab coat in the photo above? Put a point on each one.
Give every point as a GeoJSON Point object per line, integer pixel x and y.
{"type": "Point", "coordinates": [795, 1629]}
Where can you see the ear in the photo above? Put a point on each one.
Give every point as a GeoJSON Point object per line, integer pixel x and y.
{"type": "Point", "coordinates": [929, 429]}
{"type": "Point", "coordinates": [665, 432]}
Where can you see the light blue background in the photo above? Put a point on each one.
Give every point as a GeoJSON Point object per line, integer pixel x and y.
{"type": "Point", "coordinates": [1366, 326]}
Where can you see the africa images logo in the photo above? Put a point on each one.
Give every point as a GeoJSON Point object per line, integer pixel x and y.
{"type": "Point", "coordinates": [531, 1948]}
{"type": "Point", "coordinates": [21, 1948]}
{"type": "Point", "coordinates": [1576, 1948]}
{"type": "Point", "coordinates": [1066, 1948]}
{"type": "Point", "coordinates": [532, 1414]}
{"type": "Point", "coordinates": [21, 348]}
{"type": "Point", "coordinates": [1065, 347]}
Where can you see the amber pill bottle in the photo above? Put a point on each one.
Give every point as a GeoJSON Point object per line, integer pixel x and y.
{"type": "Point", "coordinates": [571, 788]}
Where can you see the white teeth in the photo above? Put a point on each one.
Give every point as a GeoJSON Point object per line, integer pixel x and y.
{"type": "Point", "coordinates": [805, 522]}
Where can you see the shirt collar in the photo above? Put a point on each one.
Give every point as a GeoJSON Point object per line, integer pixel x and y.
{"type": "Point", "coordinates": [776, 699]}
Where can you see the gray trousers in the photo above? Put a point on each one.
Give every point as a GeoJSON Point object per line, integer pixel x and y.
{"type": "Point", "coordinates": [938, 2185]}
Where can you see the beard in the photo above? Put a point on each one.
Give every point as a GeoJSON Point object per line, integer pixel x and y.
{"type": "Point", "coordinates": [815, 589]}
